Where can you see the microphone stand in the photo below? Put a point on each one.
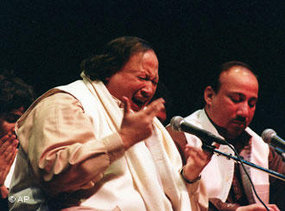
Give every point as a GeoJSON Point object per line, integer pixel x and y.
{"type": "Point", "coordinates": [229, 156]}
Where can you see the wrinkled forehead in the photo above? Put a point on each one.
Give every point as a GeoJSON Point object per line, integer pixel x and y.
{"type": "Point", "coordinates": [146, 62]}
{"type": "Point", "coordinates": [150, 59]}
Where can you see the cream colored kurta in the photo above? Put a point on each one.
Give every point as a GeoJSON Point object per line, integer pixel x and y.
{"type": "Point", "coordinates": [69, 143]}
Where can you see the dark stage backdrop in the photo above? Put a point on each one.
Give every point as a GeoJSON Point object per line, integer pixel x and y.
{"type": "Point", "coordinates": [44, 42]}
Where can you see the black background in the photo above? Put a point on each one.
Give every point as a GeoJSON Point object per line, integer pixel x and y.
{"type": "Point", "coordinates": [44, 42]}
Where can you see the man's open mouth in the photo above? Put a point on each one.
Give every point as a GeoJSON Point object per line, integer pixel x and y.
{"type": "Point", "coordinates": [138, 102]}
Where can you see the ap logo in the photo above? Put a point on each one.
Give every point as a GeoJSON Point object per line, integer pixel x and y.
{"type": "Point", "coordinates": [12, 199]}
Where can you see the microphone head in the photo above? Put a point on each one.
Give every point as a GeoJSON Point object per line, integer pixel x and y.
{"type": "Point", "coordinates": [175, 122]}
{"type": "Point", "coordinates": [267, 135]}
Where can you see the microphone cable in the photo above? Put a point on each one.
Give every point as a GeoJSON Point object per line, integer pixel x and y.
{"type": "Point", "coordinates": [247, 174]}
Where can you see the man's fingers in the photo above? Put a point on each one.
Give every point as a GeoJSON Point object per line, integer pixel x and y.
{"type": "Point", "coordinates": [273, 207]}
{"type": "Point", "coordinates": [11, 151]}
{"type": "Point", "coordinates": [5, 138]}
{"type": "Point", "coordinates": [127, 106]}
{"type": "Point", "coordinates": [4, 146]}
{"type": "Point", "coordinates": [197, 152]}
{"type": "Point", "coordinates": [155, 107]}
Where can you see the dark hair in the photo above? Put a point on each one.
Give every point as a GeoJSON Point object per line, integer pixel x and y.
{"type": "Point", "coordinates": [114, 56]}
{"type": "Point", "coordinates": [14, 92]}
{"type": "Point", "coordinates": [215, 80]}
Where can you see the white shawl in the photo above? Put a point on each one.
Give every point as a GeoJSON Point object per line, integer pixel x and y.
{"type": "Point", "coordinates": [161, 160]}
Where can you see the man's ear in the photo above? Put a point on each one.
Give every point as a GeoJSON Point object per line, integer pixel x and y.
{"type": "Point", "coordinates": [209, 93]}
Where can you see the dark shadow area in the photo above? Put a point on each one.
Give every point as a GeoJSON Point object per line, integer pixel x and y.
{"type": "Point", "coordinates": [45, 41]}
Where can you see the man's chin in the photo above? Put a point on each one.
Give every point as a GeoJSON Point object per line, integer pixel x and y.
{"type": "Point", "coordinates": [235, 133]}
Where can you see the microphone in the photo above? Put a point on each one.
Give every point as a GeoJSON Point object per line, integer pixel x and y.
{"type": "Point", "coordinates": [270, 137]}
{"type": "Point", "coordinates": [178, 123]}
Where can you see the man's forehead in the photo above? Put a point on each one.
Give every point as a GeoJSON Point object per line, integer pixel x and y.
{"type": "Point", "coordinates": [145, 62]}
{"type": "Point", "coordinates": [236, 74]}
{"type": "Point", "coordinates": [237, 71]}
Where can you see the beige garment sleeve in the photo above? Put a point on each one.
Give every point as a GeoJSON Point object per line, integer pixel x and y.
{"type": "Point", "coordinates": [198, 196]}
{"type": "Point", "coordinates": [197, 193]}
{"type": "Point", "coordinates": [62, 148]}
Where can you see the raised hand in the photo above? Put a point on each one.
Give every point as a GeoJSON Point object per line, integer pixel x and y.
{"type": "Point", "coordinates": [8, 151]}
{"type": "Point", "coordinates": [137, 126]}
{"type": "Point", "coordinates": [196, 160]}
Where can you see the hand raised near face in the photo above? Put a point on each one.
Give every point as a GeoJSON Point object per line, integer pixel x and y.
{"type": "Point", "coordinates": [137, 126]}
{"type": "Point", "coordinates": [8, 151]}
